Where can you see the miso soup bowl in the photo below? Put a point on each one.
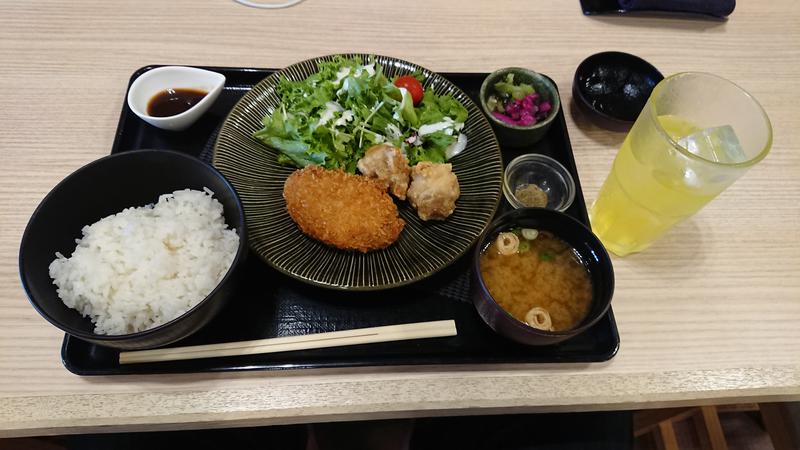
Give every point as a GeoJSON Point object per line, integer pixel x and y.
{"type": "Point", "coordinates": [590, 251]}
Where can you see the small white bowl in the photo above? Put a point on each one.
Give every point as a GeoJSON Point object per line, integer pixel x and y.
{"type": "Point", "coordinates": [156, 80]}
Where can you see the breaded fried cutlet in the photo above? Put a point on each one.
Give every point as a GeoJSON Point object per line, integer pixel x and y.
{"type": "Point", "coordinates": [346, 211]}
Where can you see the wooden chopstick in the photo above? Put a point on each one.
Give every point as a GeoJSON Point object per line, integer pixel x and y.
{"type": "Point", "coordinates": [420, 330]}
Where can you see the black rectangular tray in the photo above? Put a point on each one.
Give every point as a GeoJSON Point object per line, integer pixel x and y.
{"type": "Point", "coordinates": [269, 304]}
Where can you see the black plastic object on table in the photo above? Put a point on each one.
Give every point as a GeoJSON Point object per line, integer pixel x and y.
{"type": "Point", "coordinates": [613, 87]}
{"type": "Point", "coordinates": [713, 8]}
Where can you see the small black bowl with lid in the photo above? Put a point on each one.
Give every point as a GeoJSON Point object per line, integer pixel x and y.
{"type": "Point", "coordinates": [613, 87]}
{"type": "Point", "coordinates": [588, 249]}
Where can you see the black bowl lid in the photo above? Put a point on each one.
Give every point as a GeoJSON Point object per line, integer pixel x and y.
{"type": "Point", "coordinates": [614, 87]}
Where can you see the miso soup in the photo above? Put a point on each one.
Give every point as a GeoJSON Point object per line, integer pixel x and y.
{"type": "Point", "coordinates": [537, 278]}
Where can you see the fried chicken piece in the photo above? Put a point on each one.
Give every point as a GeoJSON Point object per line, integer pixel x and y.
{"type": "Point", "coordinates": [434, 190]}
{"type": "Point", "coordinates": [387, 164]}
{"type": "Point", "coordinates": [342, 210]}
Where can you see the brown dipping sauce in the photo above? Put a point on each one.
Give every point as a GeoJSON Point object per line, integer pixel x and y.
{"type": "Point", "coordinates": [171, 102]}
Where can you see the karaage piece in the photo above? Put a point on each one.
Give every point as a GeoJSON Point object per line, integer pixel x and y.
{"type": "Point", "coordinates": [434, 190]}
{"type": "Point", "coordinates": [388, 165]}
{"type": "Point", "coordinates": [342, 210]}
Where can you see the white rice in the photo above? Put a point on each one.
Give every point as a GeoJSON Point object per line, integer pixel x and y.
{"type": "Point", "coordinates": [145, 266]}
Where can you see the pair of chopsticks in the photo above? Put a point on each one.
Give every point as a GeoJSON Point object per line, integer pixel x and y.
{"type": "Point", "coordinates": [420, 330]}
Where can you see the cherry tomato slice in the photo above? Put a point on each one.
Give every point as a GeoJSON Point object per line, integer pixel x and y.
{"type": "Point", "coordinates": [412, 85]}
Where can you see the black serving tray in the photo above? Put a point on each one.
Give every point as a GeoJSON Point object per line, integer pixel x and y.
{"type": "Point", "coordinates": [269, 304]}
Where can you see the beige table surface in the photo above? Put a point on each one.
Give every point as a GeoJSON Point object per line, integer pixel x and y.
{"type": "Point", "coordinates": [708, 315]}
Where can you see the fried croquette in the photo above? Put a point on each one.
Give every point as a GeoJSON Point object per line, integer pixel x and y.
{"type": "Point", "coordinates": [346, 211]}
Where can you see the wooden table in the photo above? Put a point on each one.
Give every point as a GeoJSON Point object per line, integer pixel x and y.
{"type": "Point", "coordinates": [708, 315]}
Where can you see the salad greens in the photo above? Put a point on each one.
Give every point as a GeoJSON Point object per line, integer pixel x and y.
{"type": "Point", "coordinates": [334, 115]}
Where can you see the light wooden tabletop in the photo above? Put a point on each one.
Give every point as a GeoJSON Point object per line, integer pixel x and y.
{"type": "Point", "coordinates": [709, 314]}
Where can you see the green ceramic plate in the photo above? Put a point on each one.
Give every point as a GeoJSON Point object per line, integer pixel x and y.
{"type": "Point", "coordinates": [423, 248]}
